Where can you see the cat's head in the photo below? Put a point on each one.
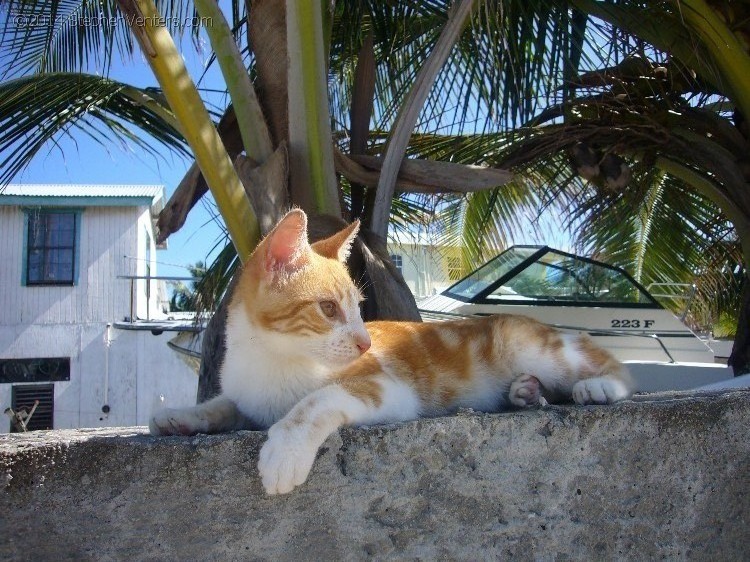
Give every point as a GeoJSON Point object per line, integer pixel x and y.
{"type": "Point", "coordinates": [302, 296]}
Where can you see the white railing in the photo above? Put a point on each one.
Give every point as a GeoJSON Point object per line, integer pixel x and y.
{"type": "Point", "coordinates": [148, 278]}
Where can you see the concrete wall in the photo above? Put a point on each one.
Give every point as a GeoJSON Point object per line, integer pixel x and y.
{"type": "Point", "coordinates": [667, 478]}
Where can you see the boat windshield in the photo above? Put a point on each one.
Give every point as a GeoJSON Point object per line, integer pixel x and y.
{"type": "Point", "coordinates": [523, 274]}
{"type": "Point", "coordinates": [479, 280]}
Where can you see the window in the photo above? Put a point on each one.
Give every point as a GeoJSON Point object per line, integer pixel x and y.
{"type": "Point", "coordinates": [51, 248]}
{"type": "Point", "coordinates": [398, 262]}
{"type": "Point", "coordinates": [538, 273]}
{"type": "Point", "coordinates": [561, 278]}
{"type": "Point", "coordinates": [23, 399]}
{"type": "Point", "coordinates": [490, 272]}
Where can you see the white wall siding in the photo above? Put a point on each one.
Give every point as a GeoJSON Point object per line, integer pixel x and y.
{"type": "Point", "coordinates": [106, 238]}
{"type": "Point", "coordinates": [146, 308]}
{"type": "Point", "coordinates": [144, 374]}
{"type": "Point", "coordinates": [107, 235]}
{"type": "Point", "coordinates": [11, 249]}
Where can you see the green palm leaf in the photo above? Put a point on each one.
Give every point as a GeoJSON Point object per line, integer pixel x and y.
{"type": "Point", "coordinates": [74, 35]}
{"type": "Point", "coordinates": [663, 232]}
{"type": "Point", "coordinates": [36, 110]}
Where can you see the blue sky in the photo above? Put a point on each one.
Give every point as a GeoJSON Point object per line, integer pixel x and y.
{"type": "Point", "coordinates": [80, 159]}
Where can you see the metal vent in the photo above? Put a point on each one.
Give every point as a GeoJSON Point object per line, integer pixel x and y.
{"type": "Point", "coordinates": [24, 397]}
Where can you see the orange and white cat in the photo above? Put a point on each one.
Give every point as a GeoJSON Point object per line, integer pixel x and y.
{"type": "Point", "coordinates": [301, 361]}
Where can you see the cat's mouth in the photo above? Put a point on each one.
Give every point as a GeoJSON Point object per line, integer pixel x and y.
{"type": "Point", "coordinates": [342, 359]}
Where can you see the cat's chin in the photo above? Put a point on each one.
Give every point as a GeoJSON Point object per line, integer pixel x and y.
{"type": "Point", "coordinates": [335, 363]}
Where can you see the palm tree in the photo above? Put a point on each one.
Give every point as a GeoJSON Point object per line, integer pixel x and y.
{"type": "Point", "coordinates": [186, 298]}
{"type": "Point", "coordinates": [649, 110]}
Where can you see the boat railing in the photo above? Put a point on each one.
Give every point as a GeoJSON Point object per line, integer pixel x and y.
{"type": "Point", "coordinates": [605, 332]}
{"type": "Point", "coordinates": [688, 294]}
{"type": "Point", "coordinates": [443, 316]}
{"type": "Point", "coordinates": [148, 278]}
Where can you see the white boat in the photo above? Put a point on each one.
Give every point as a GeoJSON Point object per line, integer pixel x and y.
{"type": "Point", "coordinates": [578, 294]}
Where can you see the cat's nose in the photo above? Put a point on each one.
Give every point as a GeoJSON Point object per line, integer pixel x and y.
{"type": "Point", "coordinates": [363, 343]}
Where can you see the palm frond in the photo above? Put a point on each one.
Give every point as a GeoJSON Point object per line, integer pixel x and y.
{"type": "Point", "coordinates": [512, 62]}
{"type": "Point", "coordinates": [480, 223]}
{"type": "Point", "coordinates": [215, 281]}
{"type": "Point", "coordinates": [79, 35]}
{"type": "Point", "coordinates": [661, 231]}
{"type": "Point", "coordinates": [47, 36]}
{"type": "Point", "coordinates": [36, 110]}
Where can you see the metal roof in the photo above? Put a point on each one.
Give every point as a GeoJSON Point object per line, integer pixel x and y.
{"type": "Point", "coordinates": [82, 191]}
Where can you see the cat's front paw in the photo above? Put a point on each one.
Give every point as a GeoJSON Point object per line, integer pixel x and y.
{"type": "Point", "coordinates": [177, 422]}
{"type": "Point", "coordinates": [285, 460]}
{"type": "Point", "coordinates": [600, 390]}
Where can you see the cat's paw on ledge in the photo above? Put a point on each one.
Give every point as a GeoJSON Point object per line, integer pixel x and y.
{"type": "Point", "coordinates": [285, 460]}
{"type": "Point", "coordinates": [600, 390]}
{"type": "Point", "coordinates": [177, 422]}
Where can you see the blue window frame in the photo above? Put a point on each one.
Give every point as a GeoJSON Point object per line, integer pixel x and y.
{"type": "Point", "coordinates": [52, 243]}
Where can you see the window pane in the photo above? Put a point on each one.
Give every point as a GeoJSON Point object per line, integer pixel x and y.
{"type": "Point", "coordinates": [61, 229]}
{"type": "Point", "coordinates": [491, 272]}
{"type": "Point", "coordinates": [59, 265]}
{"type": "Point", "coordinates": [397, 261]}
{"type": "Point", "coordinates": [51, 247]}
{"type": "Point", "coordinates": [34, 370]}
{"type": "Point", "coordinates": [35, 271]}
{"type": "Point", "coordinates": [64, 238]}
{"type": "Point", "coordinates": [37, 228]}
{"type": "Point", "coordinates": [559, 278]}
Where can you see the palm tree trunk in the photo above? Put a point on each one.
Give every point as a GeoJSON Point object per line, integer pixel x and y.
{"type": "Point", "coordinates": [312, 175]}
{"type": "Point", "coordinates": [195, 124]}
{"type": "Point", "coordinates": [266, 33]}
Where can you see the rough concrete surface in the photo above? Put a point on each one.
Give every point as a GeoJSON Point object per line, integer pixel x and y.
{"type": "Point", "coordinates": [664, 478]}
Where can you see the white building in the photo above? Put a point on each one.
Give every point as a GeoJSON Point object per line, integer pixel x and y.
{"type": "Point", "coordinates": [427, 268]}
{"type": "Point", "coordinates": [62, 249]}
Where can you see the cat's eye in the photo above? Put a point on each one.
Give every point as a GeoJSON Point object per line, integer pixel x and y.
{"type": "Point", "coordinates": [329, 308]}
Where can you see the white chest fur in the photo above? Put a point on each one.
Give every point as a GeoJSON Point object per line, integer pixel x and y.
{"type": "Point", "coordinates": [262, 374]}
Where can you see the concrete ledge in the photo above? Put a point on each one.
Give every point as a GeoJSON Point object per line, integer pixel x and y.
{"type": "Point", "coordinates": [668, 478]}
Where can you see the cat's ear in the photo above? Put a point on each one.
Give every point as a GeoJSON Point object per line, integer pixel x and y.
{"type": "Point", "coordinates": [286, 247]}
{"type": "Point", "coordinates": [338, 246]}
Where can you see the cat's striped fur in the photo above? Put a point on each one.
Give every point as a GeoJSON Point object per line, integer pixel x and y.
{"type": "Point", "coordinates": [301, 361]}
